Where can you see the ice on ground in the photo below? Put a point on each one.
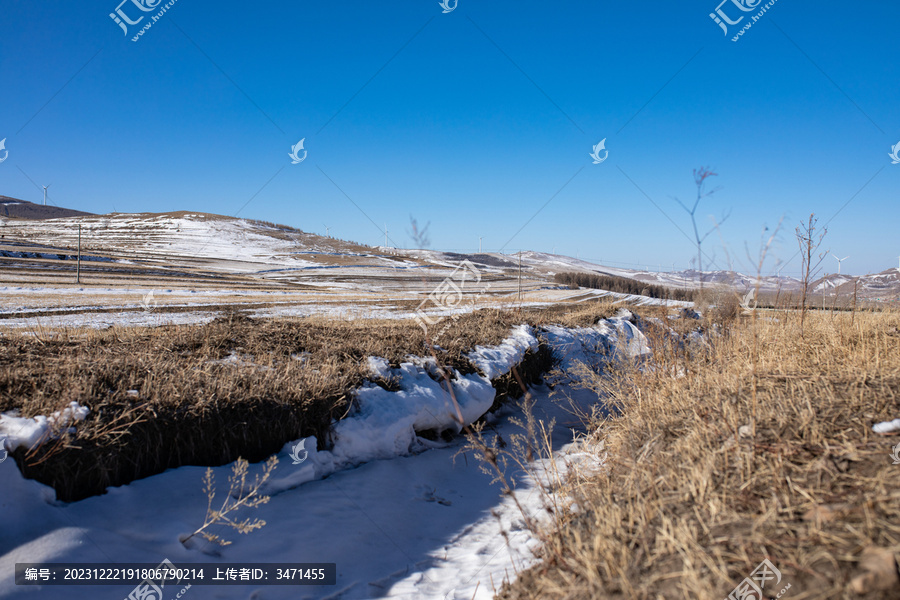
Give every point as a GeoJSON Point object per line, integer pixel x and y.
{"type": "Point", "coordinates": [18, 432]}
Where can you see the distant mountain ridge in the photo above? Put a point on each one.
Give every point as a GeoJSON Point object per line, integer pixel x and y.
{"type": "Point", "coordinates": [14, 208]}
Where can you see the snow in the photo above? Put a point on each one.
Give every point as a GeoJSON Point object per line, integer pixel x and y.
{"type": "Point", "coordinates": [887, 426]}
{"type": "Point", "coordinates": [379, 367]}
{"type": "Point", "coordinates": [614, 338]}
{"type": "Point", "coordinates": [385, 423]}
{"type": "Point", "coordinates": [401, 516]}
{"type": "Point", "coordinates": [17, 432]}
{"type": "Point", "coordinates": [498, 360]}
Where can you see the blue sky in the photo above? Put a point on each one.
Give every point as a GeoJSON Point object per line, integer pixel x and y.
{"type": "Point", "coordinates": [479, 121]}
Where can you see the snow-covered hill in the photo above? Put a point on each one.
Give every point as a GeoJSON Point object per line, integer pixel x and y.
{"type": "Point", "coordinates": [282, 254]}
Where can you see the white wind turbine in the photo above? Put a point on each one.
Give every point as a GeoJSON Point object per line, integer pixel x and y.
{"type": "Point", "coordinates": [840, 260]}
{"type": "Point", "coordinates": [45, 193]}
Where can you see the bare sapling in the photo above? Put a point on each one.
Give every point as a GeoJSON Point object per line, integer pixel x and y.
{"type": "Point", "coordinates": [764, 246]}
{"type": "Point", "coordinates": [809, 238]}
{"type": "Point", "coordinates": [700, 177]}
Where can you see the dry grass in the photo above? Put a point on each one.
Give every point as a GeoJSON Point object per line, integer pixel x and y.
{"type": "Point", "coordinates": [756, 446]}
{"type": "Point", "coordinates": [208, 394]}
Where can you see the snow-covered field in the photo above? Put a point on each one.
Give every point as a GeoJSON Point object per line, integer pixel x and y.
{"type": "Point", "coordinates": [401, 516]}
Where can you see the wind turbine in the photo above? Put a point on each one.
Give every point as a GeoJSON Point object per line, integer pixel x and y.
{"type": "Point", "coordinates": [327, 228]}
{"type": "Point", "coordinates": [45, 193]}
{"type": "Point", "coordinates": [840, 260]}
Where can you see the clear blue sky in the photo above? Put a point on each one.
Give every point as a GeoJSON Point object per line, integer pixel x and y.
{"type": "Point", "coordinates": [471, 120]}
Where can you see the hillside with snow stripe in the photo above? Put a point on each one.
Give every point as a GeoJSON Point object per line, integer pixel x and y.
{"type": "Point", "coordinates": [182, 235]}
{"type": "Point", "coordinates": [199, 247]}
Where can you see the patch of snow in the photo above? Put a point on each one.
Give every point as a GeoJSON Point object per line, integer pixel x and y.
{"type": "Point", "coordinates": [887, 426]}
{"type": "Point", "coordinates": [494, 361]}
{"type": "Point", "coordinates": [379, 367]}
{"type": "Point", "coordinates": [610, 339]}
{"type": "Point", "coordinates": [18, 432]}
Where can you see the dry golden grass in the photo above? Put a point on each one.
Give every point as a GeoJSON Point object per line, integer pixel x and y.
{"type": "Point", "coordinates": [757, 445]}
{"type": "Point", "coordinates": [208, 394]}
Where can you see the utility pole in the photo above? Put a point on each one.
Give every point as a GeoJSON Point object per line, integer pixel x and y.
{"type": "Point", "coordinates": [78, 264]}
{"type": "Point", "coordinates": [520, 275]}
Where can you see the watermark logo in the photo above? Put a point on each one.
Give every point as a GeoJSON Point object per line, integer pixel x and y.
{"type": "Point", "coordinates": [152, 587]}
{"type": "Point", "coordinates": [448, 295]}
{"type": "Point", "coordinates": [295, 452]}
{"type": "Point", "coordinates": [445, 4]}
{"type": "Point", "coordinates": [895, 455]}
{"type": "Point", "coordinates": [721, 18]}
{"type": "Point", "coordinates": [148, 301]}
{"type": "Point", "coordinates": [596, 153]}
{"type": "Point", "coordinates": [296, 159]}
{"type": "Point", "coordinates": [750, 297]}
{"type": "Point", "coordinates": [764, 577]}
{"type": "Point", "coordinates": [4, 453]}
{"type": "Point", "coordinates": [123, 20]}
{"type": "Point", "coordinates": [6, 152]}
{"type": "Point", "coordinates": [895, 153]}
{"type": "Point", "coordinates": [724, 20]}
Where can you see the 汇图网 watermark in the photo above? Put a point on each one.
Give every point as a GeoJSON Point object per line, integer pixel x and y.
{"type": "Point", "coordinates": [750, 297]}
{"type": "Point", "coordinates": [448, 295]}
{"type": "Point", "coordinates": [723, 18]}
{"type": "Point", "coordinates": [296, 452]}
{"type": "Point", "coordinates": [152, 587]}
{"type": "Point", "coordinates": [895, 153]}
{"type": "Point", "coordinates": [123, 20]}
{"type": "Point", "coordinates": [596, 152]}
{"type": "Point", "coordinates": [148, 301]}
{"type": "Point", "coordinates": [295, 153]}
{"type": "Point", "coordinates": [761, 584]}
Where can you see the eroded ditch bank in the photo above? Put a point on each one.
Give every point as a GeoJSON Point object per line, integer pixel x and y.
{"type": "Point", "coordinates": [241, 388]}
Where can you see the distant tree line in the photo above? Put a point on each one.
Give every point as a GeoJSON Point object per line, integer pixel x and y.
{"type": "Point", "coordinates": [624, 285]}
